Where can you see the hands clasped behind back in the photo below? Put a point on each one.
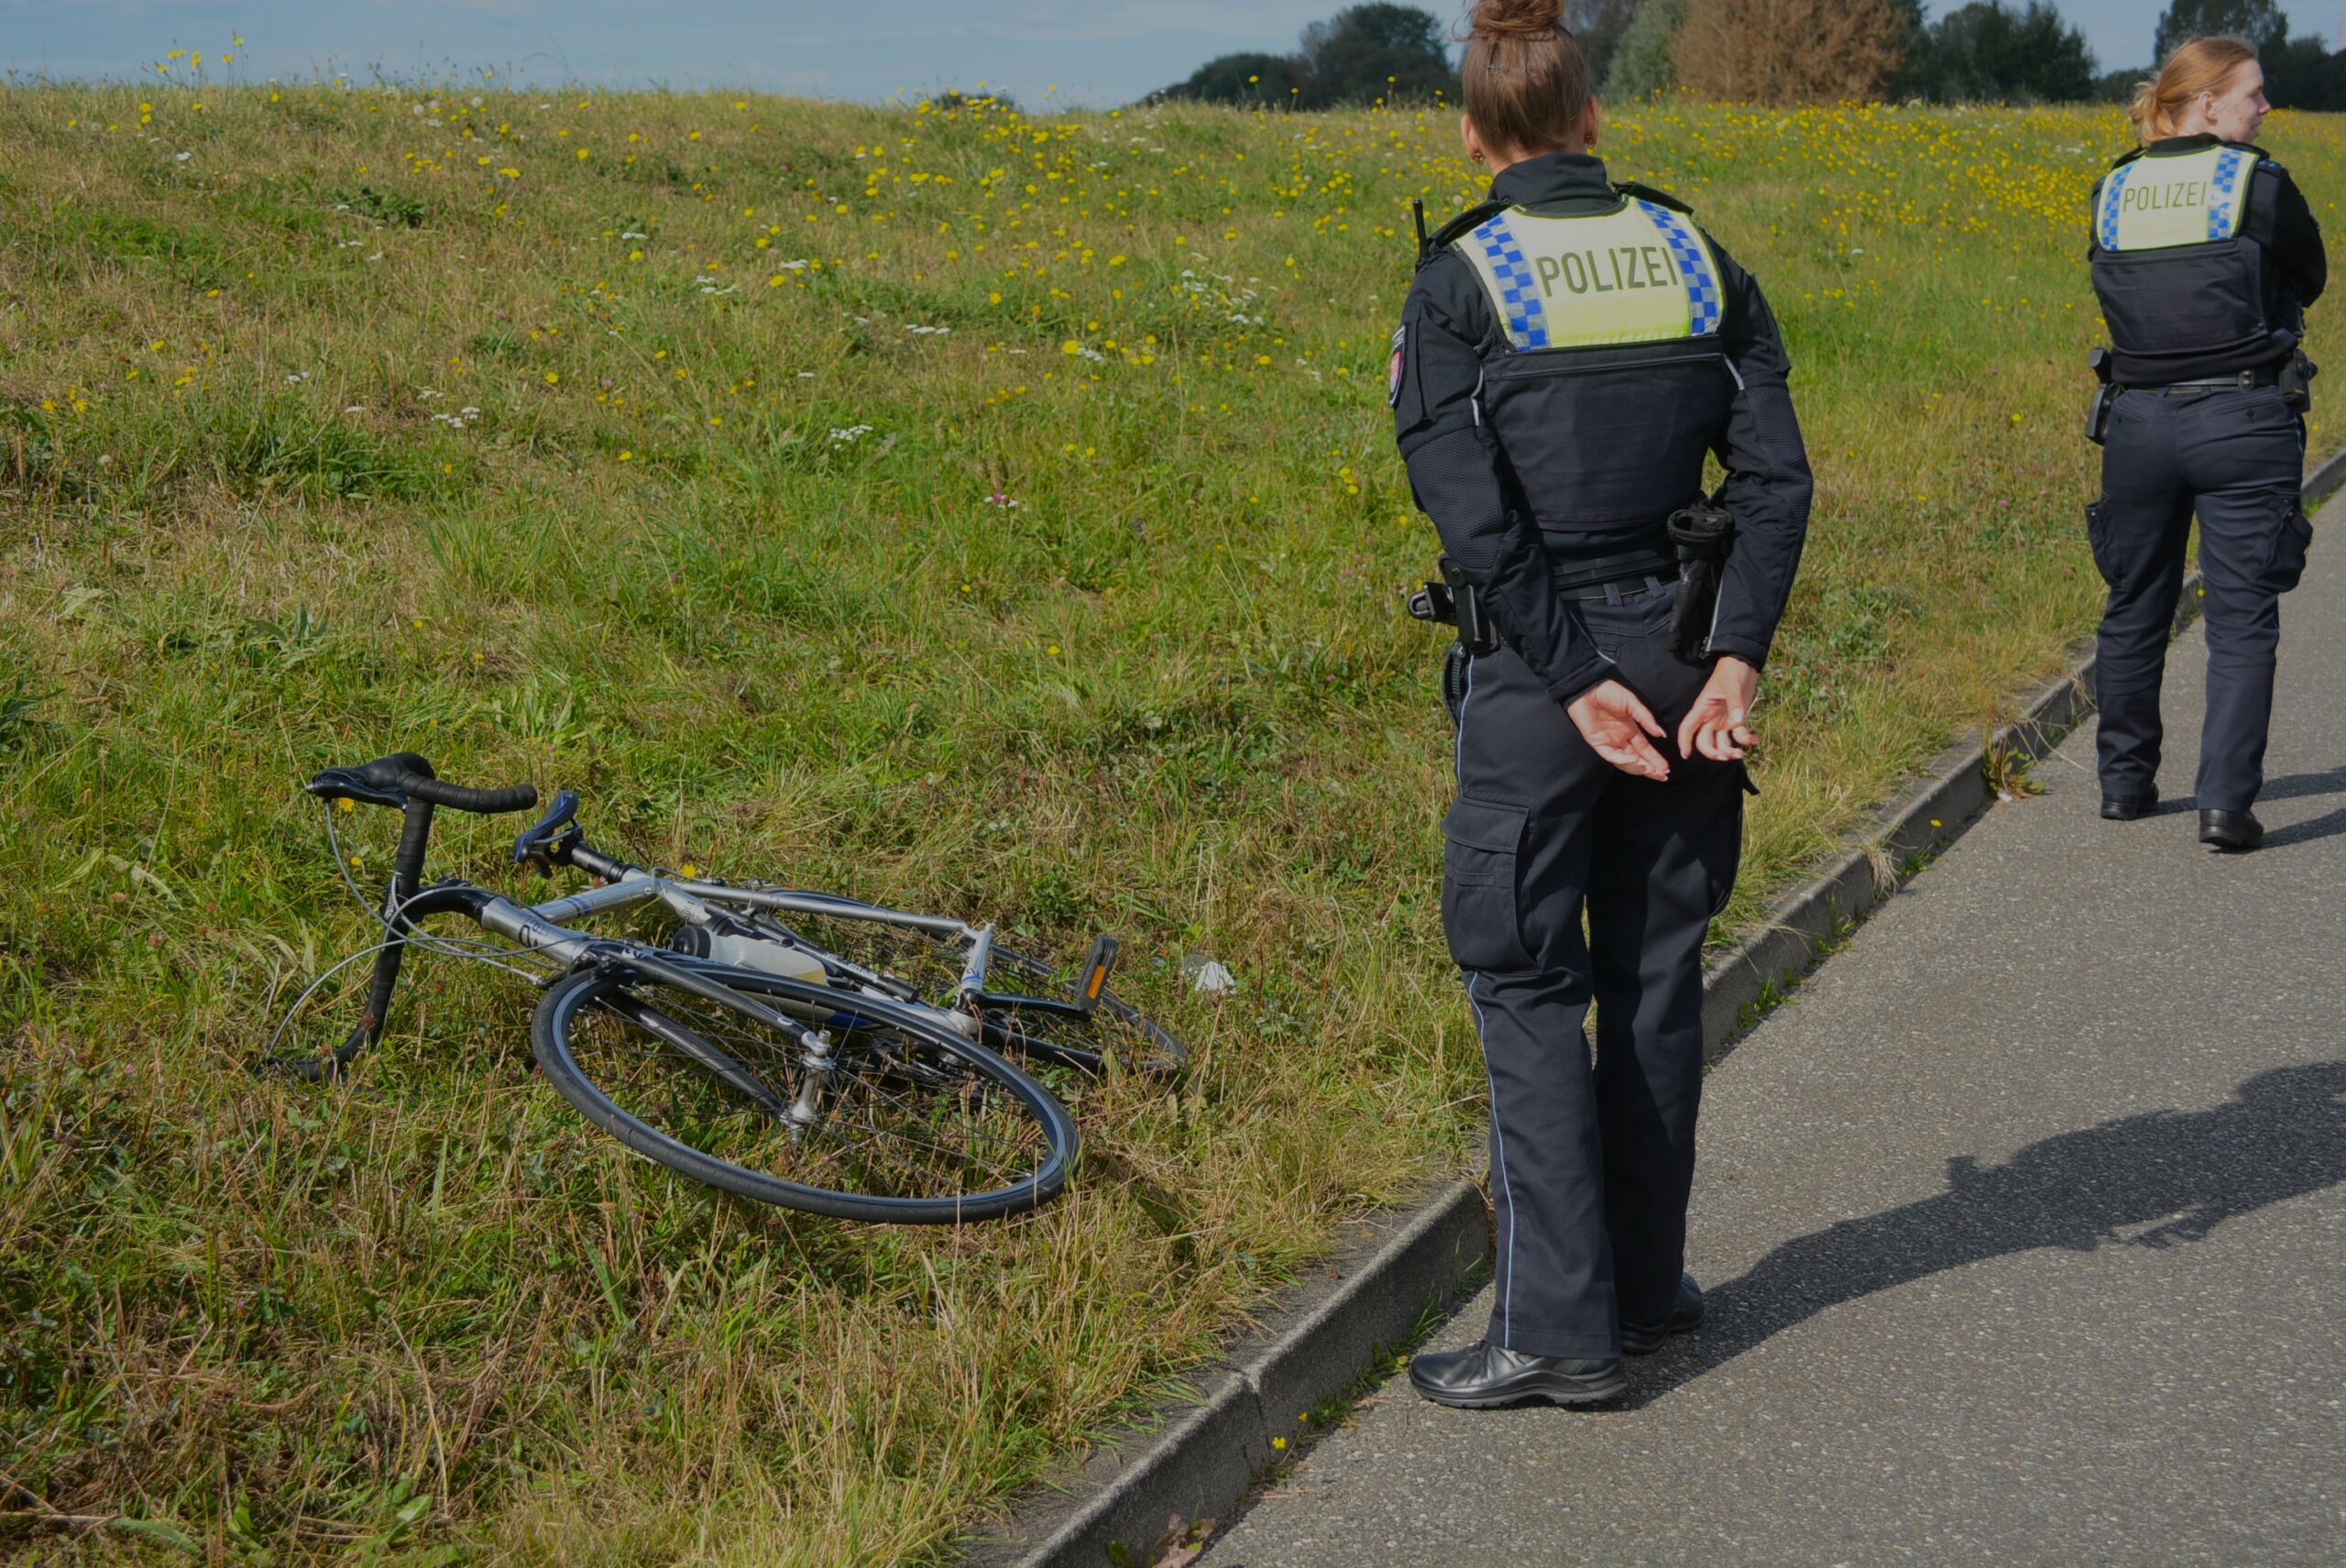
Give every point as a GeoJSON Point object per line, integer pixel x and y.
{"type": "Point", "coordinates": [1658, 711]}
{"type": "Point", "coordinates": [1620, 729]}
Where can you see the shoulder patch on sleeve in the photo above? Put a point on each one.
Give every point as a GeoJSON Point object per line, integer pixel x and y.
{"type": "Point", "coordinates": [1398, 368]}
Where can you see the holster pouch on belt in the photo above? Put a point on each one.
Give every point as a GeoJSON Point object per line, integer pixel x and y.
{"type": "Point", "coordinates": [2297, 381]}
{"type": "Point", "coordinates": [2104, 394]}
{"type": "Point", "coordinates": [1454, 602]}
{"type": "Point", "coordinates": [1700, 536]}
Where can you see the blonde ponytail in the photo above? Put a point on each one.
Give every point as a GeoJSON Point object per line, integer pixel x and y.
{"type": "Point", "coordinates": [2191, 68]}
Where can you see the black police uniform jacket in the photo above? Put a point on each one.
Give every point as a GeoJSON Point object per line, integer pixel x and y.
{"type": "Point", "coordinates": [2228, 300]}
{"type": "Point", "coordinates": [1590, 440]}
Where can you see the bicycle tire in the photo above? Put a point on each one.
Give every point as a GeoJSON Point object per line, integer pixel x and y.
{"type": "Point", "coordinates": [726, 1124]}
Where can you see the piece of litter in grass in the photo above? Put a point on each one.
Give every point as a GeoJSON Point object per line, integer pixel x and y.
{"type": "Point", "coordinates": [1207, 976]}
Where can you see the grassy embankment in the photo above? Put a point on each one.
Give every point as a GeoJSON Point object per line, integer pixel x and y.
{"type": "Point", "coordinates": [1083, 613]}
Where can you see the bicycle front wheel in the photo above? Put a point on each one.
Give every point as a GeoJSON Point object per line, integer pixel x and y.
{"type": "Point", "coordinates": [859, 1110]}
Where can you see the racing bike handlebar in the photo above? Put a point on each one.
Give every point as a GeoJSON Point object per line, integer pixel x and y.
{"type": "Point", "coordinates": [402, 776]}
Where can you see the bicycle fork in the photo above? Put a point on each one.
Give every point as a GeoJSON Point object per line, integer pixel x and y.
{"type": "Point", "coordinates": [819, 1063]}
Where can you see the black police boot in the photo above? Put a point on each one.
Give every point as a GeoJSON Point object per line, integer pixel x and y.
{"type": "Point", "coordinates": [2230, 832]}
{"type": "Point", "coordinates": [1483, 1375]}
{"type": "Point", "coordinates": [1686, 1317]}
{"type": "Point", "coordinates": [2126, 807]}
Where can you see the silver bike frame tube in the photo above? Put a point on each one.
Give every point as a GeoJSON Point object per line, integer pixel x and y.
{"type": "Point", "coordinates": [542, 929]}
{"type": "Point", "coordinates": [974, 973]}
{"type": "Point", "coordinates": [824, 904]}
{"type": "Point", "coordinates": [636, 887]}
{"type": "Point", "coordinates": [527, 927]}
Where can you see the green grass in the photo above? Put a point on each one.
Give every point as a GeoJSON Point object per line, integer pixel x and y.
{"type": "Point", "coordinates": [1170, 692]}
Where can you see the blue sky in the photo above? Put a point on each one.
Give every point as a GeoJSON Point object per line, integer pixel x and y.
{"type": "Point", "coordinates": [1090, 51]}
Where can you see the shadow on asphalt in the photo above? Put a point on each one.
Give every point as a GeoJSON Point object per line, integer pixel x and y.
{"type": "Point", "coordinates": [2329, 824]}
{"type": "Point", "coordinates": [2295, 787]}
{"type": "Point", "coordinates": [2158, 1179]}
{"type": "Point", "coordinates": [2297, 784]}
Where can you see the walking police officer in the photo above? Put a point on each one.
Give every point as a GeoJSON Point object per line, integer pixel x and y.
{"type": "Point", "coordinates": [1570, 351]}
{"type": "Point", "coordinates": [2205, 257]}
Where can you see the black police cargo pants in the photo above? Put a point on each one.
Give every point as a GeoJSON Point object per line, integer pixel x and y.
{"type": "Point", "coordinates": [2235, 457]}
{"type": "Point", "coordinates": [1591, 1164]}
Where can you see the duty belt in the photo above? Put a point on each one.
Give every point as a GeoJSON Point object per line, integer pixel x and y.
{"type": "Point", "coordinates": [1687, 548]}
{"type": "Point", "coordinates": [2264, 376]}
{"type": "Point", "coordinates": [1595, 560]}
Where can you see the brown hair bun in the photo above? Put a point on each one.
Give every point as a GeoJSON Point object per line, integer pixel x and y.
{"type": "Point", "coordinates": [1514, 18]}
{"type": "Point", "coordinates": [1525, 84]}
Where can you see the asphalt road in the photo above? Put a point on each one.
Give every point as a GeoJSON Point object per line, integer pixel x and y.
{"type": "Point", "coordinates": [2022, 1227]}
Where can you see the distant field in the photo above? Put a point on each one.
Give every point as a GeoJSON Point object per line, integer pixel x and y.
{"type": "Point", "coordinates": [939, 503]}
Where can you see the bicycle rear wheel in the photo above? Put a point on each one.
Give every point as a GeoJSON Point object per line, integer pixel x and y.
{"type": "Point", "coordinates": [892, 1118]}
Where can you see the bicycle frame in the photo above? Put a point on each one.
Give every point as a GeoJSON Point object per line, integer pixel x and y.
{"type": "Point", "coordinates": [540, 927]}
{"type": "Point", "coordinates": [545, 928]}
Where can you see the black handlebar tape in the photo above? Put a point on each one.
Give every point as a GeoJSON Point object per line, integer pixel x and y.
{"type": "Point", "coordinates": [456, 797]}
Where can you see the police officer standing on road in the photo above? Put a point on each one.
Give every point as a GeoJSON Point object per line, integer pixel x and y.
{"type": "Point", "coordinates": [1570, 351]}
{"type": "Point", "coordinates": [2205, 258]}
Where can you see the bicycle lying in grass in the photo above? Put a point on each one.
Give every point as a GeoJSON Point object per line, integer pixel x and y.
{"type": "Point", "coordinates": [746, 1053]}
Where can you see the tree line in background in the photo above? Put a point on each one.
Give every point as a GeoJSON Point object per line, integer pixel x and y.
{"type": "Point", "coordinates": [1775, 52]}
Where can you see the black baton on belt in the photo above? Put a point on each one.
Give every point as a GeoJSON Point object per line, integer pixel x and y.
{"type": "Point", "coordinates": [1700, 536]}
{"type": "Point", "coordinates": [2098, 411]}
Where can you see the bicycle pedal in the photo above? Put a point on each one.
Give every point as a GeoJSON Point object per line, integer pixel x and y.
{"type": "Point", "coordinates": [1094, 979]}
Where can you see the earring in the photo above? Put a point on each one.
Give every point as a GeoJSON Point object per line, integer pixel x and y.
{"type": "Point", "coordinates": [1478, 158]}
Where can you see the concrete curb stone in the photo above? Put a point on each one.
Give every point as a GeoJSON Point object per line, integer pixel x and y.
{"type": "Point", "coordinates": [1196, 1460]}
{"type": "Point", "coordinates": [1315, 1342]}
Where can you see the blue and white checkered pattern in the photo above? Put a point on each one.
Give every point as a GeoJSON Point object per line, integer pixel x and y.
{"type": "Point", "coordinates": [1704, 304]}
{"type": "Point", "coordinates": [1526, 314]}
{"type": "Point", "coordinates": [2231, 165]}
{"type": "Point", "coordinates": [2112, 188]}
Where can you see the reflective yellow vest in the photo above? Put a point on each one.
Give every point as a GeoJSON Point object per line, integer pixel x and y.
{"type": "Point", "coordinates": [1643, 274]}
{"type": "Point", "coordinates": [2185, 288]}
{"type": "Point", "coordinates": [1612, 382]}
{"type": "Point", "coordinates": [2185, 197]}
